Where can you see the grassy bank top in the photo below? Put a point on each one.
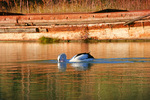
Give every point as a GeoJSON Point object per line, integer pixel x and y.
{"type": "Point", "coordinates": [69, 6]}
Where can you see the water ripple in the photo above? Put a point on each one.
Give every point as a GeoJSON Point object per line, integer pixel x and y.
{"type": "Point", "coordinates": [100, 60]}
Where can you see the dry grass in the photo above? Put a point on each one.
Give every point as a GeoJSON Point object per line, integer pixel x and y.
{"type": "Point", "coordinates": [66, 6]}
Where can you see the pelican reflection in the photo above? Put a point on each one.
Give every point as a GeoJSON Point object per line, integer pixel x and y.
{"type": "Point", "coordinates": [77, 66]}
{"type": "Point", "coordinates": [81, 66]}
{"type": "Point", "coordinates": [62, 66]}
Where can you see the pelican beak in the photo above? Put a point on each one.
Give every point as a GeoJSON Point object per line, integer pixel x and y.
{"type": "Point", "coordinates": [61, 60]}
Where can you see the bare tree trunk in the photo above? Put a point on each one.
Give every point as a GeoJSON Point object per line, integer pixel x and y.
{"type": "Point", "coordinates": [21, 6]}
{"type": "Point", "coordinates": [28, 6]}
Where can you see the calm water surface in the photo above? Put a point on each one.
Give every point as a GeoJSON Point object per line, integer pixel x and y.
{"type": "Point", "coordinates": [29, 71]}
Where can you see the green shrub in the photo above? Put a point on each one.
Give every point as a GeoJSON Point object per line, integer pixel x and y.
{"type": "Point", "coordinates": [45, 40]}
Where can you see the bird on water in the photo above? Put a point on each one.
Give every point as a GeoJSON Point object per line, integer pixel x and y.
{"type": "Point", "coordinates": [81, 57]}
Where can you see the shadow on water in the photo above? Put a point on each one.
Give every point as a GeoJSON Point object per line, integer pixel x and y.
{"type": "Point", "coordinates": [122, 60]}
{"type": "Point", "coordinates": [83, 66]}
{"type": "Point", "coordinates": [98, 61]}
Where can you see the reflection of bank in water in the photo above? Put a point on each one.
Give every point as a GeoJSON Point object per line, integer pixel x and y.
{"type": "Point", "coordinates": [78, 66]}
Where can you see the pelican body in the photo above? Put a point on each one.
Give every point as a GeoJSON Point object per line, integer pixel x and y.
{"type": "Point", "coordinates": [81, 57]}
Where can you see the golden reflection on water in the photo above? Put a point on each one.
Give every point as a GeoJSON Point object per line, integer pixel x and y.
{"type": "Point", "coordinates": [102, 81]}
{"type": "Point", "coordinates": [10, 52]}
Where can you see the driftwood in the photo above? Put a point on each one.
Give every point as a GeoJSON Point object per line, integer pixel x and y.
{"type": "Point", "coordinates": [136, 19]}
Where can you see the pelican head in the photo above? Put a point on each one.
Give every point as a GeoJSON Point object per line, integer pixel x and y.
{"type": "Point", "coordinates": [62, 58]}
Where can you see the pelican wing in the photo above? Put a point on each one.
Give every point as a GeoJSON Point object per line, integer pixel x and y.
{"type": "Point", "coordinates": [81, 56]}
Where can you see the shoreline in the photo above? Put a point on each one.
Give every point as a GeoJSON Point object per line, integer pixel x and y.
{"type": "Point", "coordinates": [80, 41]}
{"type": "Point", "coordinates": [77, 26]}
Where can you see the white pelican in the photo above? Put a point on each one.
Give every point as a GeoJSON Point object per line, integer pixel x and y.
{"type": "Point", "coordinates": [81, 57]}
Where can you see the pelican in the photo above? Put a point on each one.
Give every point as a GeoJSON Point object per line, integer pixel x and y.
{"type": "Point", "coordinates": [81, 57]}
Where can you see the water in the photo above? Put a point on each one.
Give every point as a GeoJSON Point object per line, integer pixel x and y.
{"type": "Point", "coordinates": [120, 71]}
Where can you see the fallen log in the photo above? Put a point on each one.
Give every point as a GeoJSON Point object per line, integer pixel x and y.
{"type": "Point", "coordinates": [136, 19]}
